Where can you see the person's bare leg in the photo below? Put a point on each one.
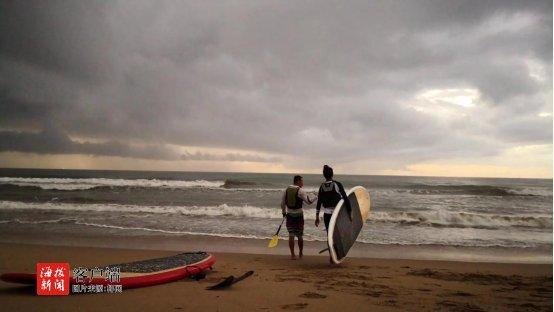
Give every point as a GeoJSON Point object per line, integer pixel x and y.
{"type": "Point", "coordinates": [300, 246]}
{"type": "Point", "coordinates": [291, 246]}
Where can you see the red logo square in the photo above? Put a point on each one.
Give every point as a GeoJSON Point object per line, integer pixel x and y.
{"type": "Point", "coordinates": [53, 279]}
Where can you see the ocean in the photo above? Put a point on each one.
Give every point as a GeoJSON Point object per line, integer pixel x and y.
{"type": "Point", "coordinates": [415, 211]}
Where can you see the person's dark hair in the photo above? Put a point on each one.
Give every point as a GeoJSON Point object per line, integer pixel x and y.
{"type": "Point", "coordinates": [327, 172]}
{"type": "Point", "coordinates": [296, 179]}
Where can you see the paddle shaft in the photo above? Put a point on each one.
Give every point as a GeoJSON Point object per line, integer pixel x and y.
{"type": "Point", "coordinates": [245, 275]}
{"type": "Point", "coordinates": [280, 225]}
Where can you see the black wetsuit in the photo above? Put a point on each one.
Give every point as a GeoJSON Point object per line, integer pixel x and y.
{"type": "Point", "coordinates": [330, 199]}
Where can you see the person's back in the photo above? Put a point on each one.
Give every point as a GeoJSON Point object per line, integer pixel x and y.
{"type": "Point", "coordinates": [330, 192]}
{"type": "Point", "coordinates": [329, 195]}
{"type": "Point", "coordinates": [291, 204]}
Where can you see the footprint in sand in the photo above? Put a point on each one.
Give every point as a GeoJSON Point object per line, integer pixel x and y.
{"type": "Point", "coordinates": [294, 306]}
{"type": "Point", "coordinates": [458, 306]}
{"type": "Point", "coordinates": [461, 294]}
{"type": "Point", "coordinates": [530, 306]}
{"type": "Point", "coordinates": [312, 295]}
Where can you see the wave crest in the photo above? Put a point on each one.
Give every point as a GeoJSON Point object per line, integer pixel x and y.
{"type": "Point", "coordinates": [413, 218]}
{"type": "Point", "coordinates": [481, 190]}
{"type": "Point", "coordinates": [461, 219]}
{"type": "Point", "coordinates": [91, 183]}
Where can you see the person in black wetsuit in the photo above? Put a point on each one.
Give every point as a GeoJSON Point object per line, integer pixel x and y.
{"type": "Point", "coordinates": [330, 193]}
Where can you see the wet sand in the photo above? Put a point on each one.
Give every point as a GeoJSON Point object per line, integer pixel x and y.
{"type": "Point", "coordinates": [281, 284]}
{"type": "Point", "coordinates": [218, 244]}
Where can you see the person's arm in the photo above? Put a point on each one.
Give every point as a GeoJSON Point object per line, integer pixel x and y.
{"type": "Point", "coordinates": [305, 197]}
{"type": "Point", "coordinates": [283, 203]}
{"type": "Point", "coordinates": [346, 200]}
{"type": "Point", "coordinates": [318, 205]}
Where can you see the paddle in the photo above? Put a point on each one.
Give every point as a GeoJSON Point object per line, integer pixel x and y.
{"type": "Point", "coordinates": [230, 280]}
{"type": "Point", "coordinates": [275, 239]}
{"type": "Point", "coordinates": [245, 275]}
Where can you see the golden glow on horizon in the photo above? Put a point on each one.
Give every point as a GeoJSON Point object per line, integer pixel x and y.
{"type": "Point", "coordinates": [529, 161]}
{"type": "Point", "coordinates": [520, 162]}
{"type": "Point", "coordinates": [466, 170]}
{"type": "Point", "coordinates": [25, 160]}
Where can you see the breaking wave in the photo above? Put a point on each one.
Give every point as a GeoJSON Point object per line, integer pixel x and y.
{"type": "Point", "coordinates": [482, 190]}
{"type": "Point", "coordinates": [307, 237]}
{"type": "Point", "coordinates": [461, 219]}
{"type": "Point", "coordinates": [103, 184]}
{"type": "Point", "coordinates": [414, 218]}
{"type": "Point", "coordinates": [37, 184]}
{"type": "Point", "coordinates": [230, 183]}
{"type": "Point", "coordinates": [211, 211]}
{"type": "Point", "coordinates": [91, 183]}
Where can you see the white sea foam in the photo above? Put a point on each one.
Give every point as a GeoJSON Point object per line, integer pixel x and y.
{"type": "Point", "coordinates": [462, 219]}
{"type": "Point", "coordinates": [307, 236]}
{"type": "Point", "coordinates": [61, 220]}
{"type": "Point", "coordinates": [166, 231]}
{"type": "Point", "coordinates": [533, 191]}
{"type": "Point", "coordinates": [89, 183]}
{"type": "Point", "coordinates": [70, 184]}
{"type": "Point", "coordinates": [212, 211]}
{"type": "Point", "coordinates": [415, 218]}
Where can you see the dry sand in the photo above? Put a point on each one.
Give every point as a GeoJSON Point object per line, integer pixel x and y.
{"type": "Point", "coordinates": [281, 284]}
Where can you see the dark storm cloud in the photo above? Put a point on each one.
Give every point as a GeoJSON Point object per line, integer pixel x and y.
{"type": "Point", "coordinates": [54, 142]}
{"type": "Point", "coordinates": [65, 37]}
{"type": "Point", "coordinates": [317, 80]}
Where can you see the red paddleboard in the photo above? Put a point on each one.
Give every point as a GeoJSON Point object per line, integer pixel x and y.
{"type": "Point", "coordinates": [139, 273]}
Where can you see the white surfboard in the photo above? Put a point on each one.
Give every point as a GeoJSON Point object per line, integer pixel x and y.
{"type": "Point", "coordinates": [342, 232]}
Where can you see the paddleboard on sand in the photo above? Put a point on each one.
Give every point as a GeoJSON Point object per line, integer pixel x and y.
{"type": "Point", "coordinates": [139, 273]}
{"type": "Point", "coordinates": [342, 232]}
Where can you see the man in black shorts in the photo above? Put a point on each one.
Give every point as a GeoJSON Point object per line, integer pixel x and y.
{"type": "Point", "coordinates": [291, 205]}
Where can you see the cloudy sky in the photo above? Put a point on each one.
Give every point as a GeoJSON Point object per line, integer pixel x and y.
{"type": "Point", "coordinates": [457, 88]}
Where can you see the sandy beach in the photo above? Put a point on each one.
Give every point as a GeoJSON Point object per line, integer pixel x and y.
{"type": "Point", "coordinates": [152, 149]}
{"type": "Point", "coordinates": [281, 284]}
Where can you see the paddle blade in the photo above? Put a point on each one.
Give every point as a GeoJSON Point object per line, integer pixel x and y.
{"type": "Point", "coordinates": [228, 281]}
{"type": "Point", "coordinates": [273, 242]}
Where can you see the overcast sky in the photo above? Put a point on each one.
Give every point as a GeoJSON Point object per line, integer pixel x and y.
{"type": "Point", "coordinates": [371, 87]}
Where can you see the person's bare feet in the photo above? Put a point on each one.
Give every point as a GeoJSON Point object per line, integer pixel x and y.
{"type": "Point", "coordinates": [293, 257]}
{"type": "Point", "coordinates": [300, 256]}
